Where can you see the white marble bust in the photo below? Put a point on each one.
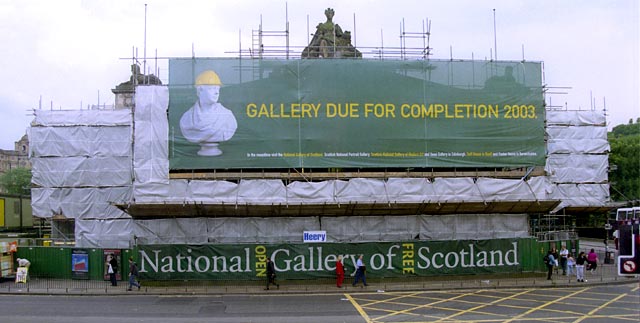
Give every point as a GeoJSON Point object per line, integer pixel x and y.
{"type": "Point", "coordinates": [208, 122]}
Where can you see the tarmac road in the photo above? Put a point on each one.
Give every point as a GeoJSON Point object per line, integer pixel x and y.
{"type": "Point", "coordinates": [580, 303]}
{"type": "Point", "coordinates": [328, 308]}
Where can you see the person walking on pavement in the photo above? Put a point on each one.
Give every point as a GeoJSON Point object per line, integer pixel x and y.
{"type": "Point", "coordinates": [360, 272]}
{"type": "Point", "coordinates": [113, 269]}
{"type": "Point", "coordinates": [581, 260]}
{"type": "Point", "coordinates": [133, 274]}
{"type": "Point", "coordinates": [571, 264]}
{"type": "Point", "coordinates": [592, 259]}
{"type": "Point", "coordinates": [564, 254]}
{"type": "Point", "coordinates": [556, 258]}
{"type": "Point", "coordinates": [271, 274]}
{"type": "Point", "coordinates": [339, 272]}
{"type": "Point", "coordinates": [550, 261]}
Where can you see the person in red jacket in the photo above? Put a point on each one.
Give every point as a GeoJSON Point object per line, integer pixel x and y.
{"type": "Point", "coordinates": [339, 272]}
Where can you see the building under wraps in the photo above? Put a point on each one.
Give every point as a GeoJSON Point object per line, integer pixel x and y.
{"type": "Point", "coordinates": [364, 151]}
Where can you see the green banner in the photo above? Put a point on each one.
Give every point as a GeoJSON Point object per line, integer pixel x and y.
{"type": "Point", "coordinates": [307, 261]}
{"type": "Point", "coordinates": [355, 113]}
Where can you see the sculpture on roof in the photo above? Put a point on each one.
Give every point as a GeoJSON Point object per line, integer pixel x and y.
{"type": "Point", "coordinates": [329, 41]}
{"type": "Point", "coordinates": [136, 79]}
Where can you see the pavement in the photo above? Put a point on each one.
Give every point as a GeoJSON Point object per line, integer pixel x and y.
{"type": "Point", "coordinates": [605, 274]}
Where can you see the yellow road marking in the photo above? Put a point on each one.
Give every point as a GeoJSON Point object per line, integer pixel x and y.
{"type": "Point", "coordinates": [473, 309]}
{"type": "Point", "coordinates": [588, 315]}
{"type": "Point", "coordinates": [392, 299]}
{"type": "Point", "coordinates": [544, 305]}
{"type": "Point", "coordinates": [358, 308]}
{"type": "Point", "coordinates": [425, 305]}
{"type": "Point", "coordinates": [371, 304]}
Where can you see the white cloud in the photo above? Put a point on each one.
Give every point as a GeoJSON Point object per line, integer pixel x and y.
{"type": "Point", "coordinates": [69, 52]}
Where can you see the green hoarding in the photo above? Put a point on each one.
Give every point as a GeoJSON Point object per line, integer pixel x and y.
{"type": "Point", "coordinates": [356, 113]}
{"type": "Point", "coordinates": [307, 261]}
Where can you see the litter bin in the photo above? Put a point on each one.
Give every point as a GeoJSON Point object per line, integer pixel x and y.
{"type": "Point", "coordinates": [608, 257]}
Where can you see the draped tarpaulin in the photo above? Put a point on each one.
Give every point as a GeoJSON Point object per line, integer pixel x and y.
{"type": "Point", "coordinates": [365, 113]}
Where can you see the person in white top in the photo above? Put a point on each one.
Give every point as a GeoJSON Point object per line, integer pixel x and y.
{"type": "Point", "coordinates": [23, 263]}
{"type": "Point", "coordinates": [208, 122]}
{"type": "Point", "coordinates": [360, 272]}
{"type": "Point", "coordinates": [571, 263]}
{"type": "Point", "coordinates": [564, 254]}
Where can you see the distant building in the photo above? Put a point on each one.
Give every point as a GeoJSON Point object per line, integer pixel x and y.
{"type": "Point", "coordinates": [19, 157]}
{"type": "Point", "coordinates": [125, 91]}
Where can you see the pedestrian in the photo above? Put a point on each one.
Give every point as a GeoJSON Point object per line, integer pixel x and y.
{"type": "Point", "coordinates": [580, 262]}
{"type": "Point", "coordinates": [564, 254]}
{"type": "Point", "coordinates": [22, 273]}
{"type": "Point", "coordinates": [112, 264]}
{"type": "Point", "coordinates": [339, 272]}
{"type": "Point", "coordinates": [571, 262]}
{"type": "Point", "coordinates": [361, 270]}
{"type": "Point", "coordinates": [554, 252]}
{"type": "Point", "coordinates": [22, 262]}
{"type": "Point", "coordinates": [271, 274]}
{"type": "Point", "coordinates": [133, 274]}
{"type": "Point", "coordinates": [550, 261]}
{"type": "Point", "coordinates": [592, 259]}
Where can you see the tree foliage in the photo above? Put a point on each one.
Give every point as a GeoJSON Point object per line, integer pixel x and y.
{"type": "Point", "coordinates": [16, 181]}
{"type": "Point", "coordinates": [625, 155]}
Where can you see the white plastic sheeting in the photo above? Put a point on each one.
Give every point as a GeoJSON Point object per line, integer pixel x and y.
{"type": "Point", "coordinates": [339, 191]}
{"type": "Point", "coordinates": [577, 162]}
{"type": "Point", "coordinates": [83, 162]}
{"type": "Point", "coordinates": [104, 233]}
{"type": "Point", "coordinates": [79, 202]}
{"type": "Point", "coordinates": [339, 229]}
{"type": "Point", "coordinates": [577, 168]}
{"type": "Point", "coordinates": [223, 230]}
{"type": "Point", "coordinates": [79, 171]}
{"type": "Point", "coordinates": [580, 194]}
{"type": "Point", "coordinates": [477, 227]}
{"type": "Point", "coordinates": [69, 118]}
{"type": "Point", "coordinates": [80, 141]}
{"type": "Point", "coordinates": [151, 133]}
{"type": "Point", "coordinates": [575, 118]}
{"type": "Point", "coordinates": [573, 140]}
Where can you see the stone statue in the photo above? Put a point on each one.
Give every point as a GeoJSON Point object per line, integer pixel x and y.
{"type": "Point", "coordinates": [208, 122]}
{"type": "Point", "coordinates": [329, 41]}
{"type": "Point", "coordinates": [138, 78]}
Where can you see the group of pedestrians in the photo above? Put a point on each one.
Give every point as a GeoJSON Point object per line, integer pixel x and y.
{"type": "Point", "coordinates": [553, 260]}
{"type": "Point", "coordinates": [565, 261]}
{"type": "Point", "coordinates": [360, 274]}
{"type": "Point", "coordinates": [112, 270]}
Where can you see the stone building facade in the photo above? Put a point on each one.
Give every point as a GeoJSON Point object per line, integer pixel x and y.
{"type": "Point", "coordinates": [19, 157]}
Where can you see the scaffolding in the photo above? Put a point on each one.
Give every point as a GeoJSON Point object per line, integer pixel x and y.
{"type": "Point", "coordinates": [260, 50]}
{"type": "Point", "coordinates": [411, 52]}
{"type": "Point", "coordinates": [275, 44]}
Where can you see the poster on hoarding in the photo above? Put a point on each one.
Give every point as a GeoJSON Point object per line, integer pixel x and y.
{"type": "Point", "coordinates": [231, 114]}
{"type": "Point", "coordinates": [22, 274]}
{"type": "Point", "coordinates": [79, 264]}
{"type": "Point", "coordinates": [108, 256]}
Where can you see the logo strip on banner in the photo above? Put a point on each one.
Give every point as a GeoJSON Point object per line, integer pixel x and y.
{"type": "Point", "coordinates": [314, 236]}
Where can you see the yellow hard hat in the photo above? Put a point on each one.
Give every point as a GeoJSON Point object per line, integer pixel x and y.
{"type": "Point", "coordinates": [208, 78]}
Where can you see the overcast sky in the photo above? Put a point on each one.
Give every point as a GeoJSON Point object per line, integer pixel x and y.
{"type": "Point", "coordinates": [70, 54]}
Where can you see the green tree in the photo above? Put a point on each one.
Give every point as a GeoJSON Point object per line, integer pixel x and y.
{"type": "Point", "coordinates": [625, 155]}
{"type": "Point", "coordinates": [16, 181]}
